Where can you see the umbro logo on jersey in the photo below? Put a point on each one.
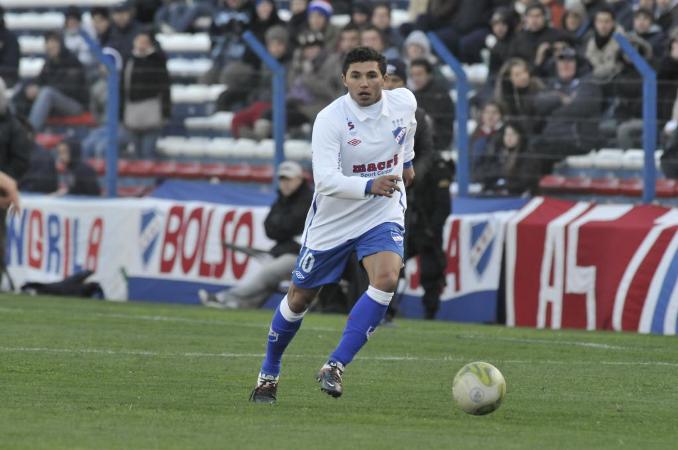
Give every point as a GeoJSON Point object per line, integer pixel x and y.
{"type": "Point", "coordinates": [354, 142]}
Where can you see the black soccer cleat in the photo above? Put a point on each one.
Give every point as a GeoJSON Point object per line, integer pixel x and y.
{"type": "Point", "coordinates": [266, 390]}
{"type": "Point", "coordinates": [329, 378]}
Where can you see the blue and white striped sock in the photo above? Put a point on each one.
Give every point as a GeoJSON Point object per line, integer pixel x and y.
{"type": "Point", "coordinates": [284, 326]}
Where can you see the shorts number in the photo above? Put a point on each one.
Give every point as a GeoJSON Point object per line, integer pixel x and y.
{"type": "Point", "coordinates": [307, 261]}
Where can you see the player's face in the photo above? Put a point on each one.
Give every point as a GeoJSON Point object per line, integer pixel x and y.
{"type": "Point", "coordinates": [364, 82]}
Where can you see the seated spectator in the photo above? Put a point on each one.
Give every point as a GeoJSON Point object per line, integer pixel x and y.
{"type": "Point", "coordinates": [42, 176]}
{"type": "Point", "coordinates": [360, 15]}
{"type": "Point", "coordinates": [381, 19]}
{"type": "Point", "coordinates": [546, 60]}
{"type": "Point", "coordinates": [669, 159]}
{"type": "Point", "coordinates": [465, 27]}
{"type": "Point", "coordinates": [178, 16]}
{"type": "Point", "coordinates": [417, 46]}
{"type": "Point", "coordinates": [667, 14]}
{"type": "Point", "coordinates": [261, 96]}
{"type": "Point", "coordinates": [644, 28]}
{"type": "Point", "coordinates": [434, 98]}
{"type": "Point", "coordinates": [602, 50]}
{"type": "Point", "coordinates": [58, 90]}
{"type": "Point", "coordinates": [78, 177]}
{"type": "Point", "coordinates": [284, 225]}
{"type": "Point", "coordinates": [373, 38]}
{"type": "Point", "coordinates": [508, 167]}
{"type": "Point", "coordinates": [101, 24]}
{"type": "Point", "coordinates": [9, 53]}
{"type": "Point", "coordinates": [498, 43]}
{"type": "Point", "coordinates": [145, 94]}
{"type": "Point", "coordinates": [73, 41]}
{"type": "Point", "coordinates": [517, 91]}
{"type": "Point", "coordinates": [572, 108]}
{"type": "Point", "coordinates": [536, 33]}
{"type": "Point", "coordinates": [318, 21]}
{"type": "Point", "coordinates": [124, 28]}
{"type": "Point", "coordinates": [491, 122]}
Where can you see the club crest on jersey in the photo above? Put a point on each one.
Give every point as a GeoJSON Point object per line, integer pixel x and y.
{"type": "Point", "coordinates": [399, 135]}
{"type": "Point", "coordinates": [397, 237]}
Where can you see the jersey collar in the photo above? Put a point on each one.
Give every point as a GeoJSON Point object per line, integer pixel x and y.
{"type": "Point", "coordinates": [358, 111]}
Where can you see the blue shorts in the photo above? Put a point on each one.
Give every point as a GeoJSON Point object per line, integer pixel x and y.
{"type": "Point", "coordinates": [317, 268]}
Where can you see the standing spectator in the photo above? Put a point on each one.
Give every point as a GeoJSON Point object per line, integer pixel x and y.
{"type": "Point", "coordinates": [101, 22]}
{"type": "Point", "coordinates": [644, 28]}
{"type": "Point", "coordinates": [73, 41]}
{"type": "Point", "coordinates": [14, 159]}
{"type": "Point", "coordinates": [284, 225]}
{"type": "Point", "coordinates": [318, 15]}
{"type": "Point", "coordinates": [79, 178]}
{"type": "Point", "coordinates": [666, 13]}
{"type": "Point", "coordinates": [145, 94]}
{"type": "Point", "coordinates": [125, 27]}
{"type": "Point", "coordinates": [381, 19]}
{"type": "Point", "coordinates": [265, 17]}
{"type": "Point", "coordinates": [536, 33]}
{"type": "Point", "coordinates": [572, 108]}
{"type": "Point", "coordinates": [602, 50]}
{"type": "Point", "coordinates": [434, 98]}
{"type": "Point", "coordinates": [60, 88]}
{"type": "Point", "coordinates": [41, 176]}
{"type": "Point", "coordinates": [667, 80]}
{"type": "Point", "coordinates": [373, 38]}
{"type": "Point", "coordinates": [491, 122]}
{"type": "Point", "coordinates": [517, 91]}
{"type": "Point", "coordinates": [9, 53]}
{"type": "Point", "coordinates": [508, 168]}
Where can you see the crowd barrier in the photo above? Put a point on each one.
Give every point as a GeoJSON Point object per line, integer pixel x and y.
{"type": "Point", "coordinates": [565, 264]}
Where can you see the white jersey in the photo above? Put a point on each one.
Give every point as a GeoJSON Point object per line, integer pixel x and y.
{"type": "Point", "coordinates": [351, 146]}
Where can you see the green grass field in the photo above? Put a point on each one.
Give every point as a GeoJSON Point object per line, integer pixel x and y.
{"type": "Point", "coordinates": [87, 374]}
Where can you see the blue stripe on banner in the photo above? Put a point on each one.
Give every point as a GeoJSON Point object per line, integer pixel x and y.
{"type": "Point", "coordinates": [668, 284]}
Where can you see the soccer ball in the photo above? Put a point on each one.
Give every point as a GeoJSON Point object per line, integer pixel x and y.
{"type": "Point", "coordinates": [479, 388]}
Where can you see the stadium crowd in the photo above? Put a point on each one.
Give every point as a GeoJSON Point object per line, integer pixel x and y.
{"type": "Point", "coordinates": [557, 83]}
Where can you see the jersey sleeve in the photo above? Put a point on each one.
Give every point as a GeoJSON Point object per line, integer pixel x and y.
{"type": "Point", "coordinates": [327, 173]}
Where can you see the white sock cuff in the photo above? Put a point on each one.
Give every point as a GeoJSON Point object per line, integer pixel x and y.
{"type": "Point", "coordinates": [288, 314]}
{"type": "Point", "coordinates": [378, 296]}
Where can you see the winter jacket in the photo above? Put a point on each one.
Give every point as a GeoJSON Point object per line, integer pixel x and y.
{"type": "Point", "coordinates": [14, 146]}
{"type": "Point", "coordinates": [42, 176]}
{"type": "Point", "coordinates": [9, 56]}
{"type": "Point", "coordinates": [67, 75]}
{"type": "Point", "coordinates": [286, 219]}
{"type": "Point", "coordinates": [150, 78]}
{"type": "Point", "coordinates": [435, 99]}
{"type": "Point", "coordinates": [605, 60]}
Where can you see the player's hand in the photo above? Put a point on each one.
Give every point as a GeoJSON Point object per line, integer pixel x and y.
{"type": "Point", "coordinates": [9, 194]}
{"type": "Point", "coordinates": [385, 185]}
{"type": "Point", "coordinates": [408, 176]}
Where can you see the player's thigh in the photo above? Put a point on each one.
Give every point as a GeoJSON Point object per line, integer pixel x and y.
{"type": "Point", "coordinates": [383, 269]}
{"type": "Point", "coordinates": [381, 252]}
{"type": "Point", "coordinates": [316, 268]}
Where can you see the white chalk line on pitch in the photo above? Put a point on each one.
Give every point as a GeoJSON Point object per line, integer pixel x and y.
{"type": "Point", "coordinates": [543, 341]}
{"type": "Point", "coordinates": [123, 352]}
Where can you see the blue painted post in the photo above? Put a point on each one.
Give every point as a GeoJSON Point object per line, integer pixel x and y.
{"type": "Point", "coordinates": [649, 116]}
{"type": "Point", "coordinates": [462, 110]}
{"type": "Point", "coordinates": [279, 113]}
{"type": "Point", "coordinates": [112, 111]}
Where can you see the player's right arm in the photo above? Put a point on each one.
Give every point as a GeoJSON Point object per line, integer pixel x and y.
{"type": "Point", "coordinates": [327, 174]}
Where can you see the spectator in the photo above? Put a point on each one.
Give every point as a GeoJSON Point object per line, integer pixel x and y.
{"type": "Point", "coordinates": [554, 12]}
{"type": "Point", "coordinates": [60, 89]}
{"type": "Point", "coordinates": [78, 177]}
{"type": "Point", "coordinates": [517, 91]}
{"type": "Point", "coordinates": [178, 16]}
{"type": "Point", "coordinates": [318, 14]}
{"type": "Point", "coordinates": [360, 15]}
{"type": "Point", "coordinates": [145, 94]}
{"type": "Point", "coordinates": [535, 34]}
{"type": "Point", "coordinates": [546, 60]}
{"type": "Point", "coordinates": [145, 11]}
{"type": "Point", "coordinates": [491, 122]}
{"type": "Point", "coordinates": [73, 41]}
{"type": "Point", "coordinates": [666, 13]}
{"type": "Point", "coordinates": [602, 50]}
{"type": "Point", "coordinates": [349, 38]}
{"type": "Point", "coordinates": [298, 20]}
{"type": "Point", "coordinates": [381, 19]}
{"type": "Point", "coordinates": [669, 159]}
{"type": "Point", "coordinates": [373, 38]}
{"type": "Point", "coordinates": [667, 80]}
{"type": "Point", "coordinates": [508, 168]}
{"type": "Point", "coordinates": [644, 28]}
{"type": "Point", "coordinates": [283, 224]}
{"type": "Point", "coordinates": [434, 98]}
{"type": "Point", "coordinates": [575, 22]}
{"type": "Point", "coordinates": [124, 28]}
{"type": "Point", "coordinates": [261, 96]}
{"type": "Point", "coordinates": [41, 176]}
{"type": "Point", "coordinates": [572, 108]}
{"type": "Point", "coordinates": [498, 43]}
{"type": "Point", "coordinates": [101, 22]}
{"type": "Point", "coordinates": [417, 46]}
{"type": "Point", "coordinates": [265, 17]}
{"type": "Point", "coordinates": [9, 53]}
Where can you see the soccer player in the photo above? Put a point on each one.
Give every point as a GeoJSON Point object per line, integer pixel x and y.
{"type": "Point", "coordinates": [362, 158]}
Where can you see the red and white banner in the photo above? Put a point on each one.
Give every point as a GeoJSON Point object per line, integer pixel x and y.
{"type": "Point", "coordinates": [582, 265]}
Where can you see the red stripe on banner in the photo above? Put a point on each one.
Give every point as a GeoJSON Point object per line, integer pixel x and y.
{"type": "Point", "coordinates": [640, 285]}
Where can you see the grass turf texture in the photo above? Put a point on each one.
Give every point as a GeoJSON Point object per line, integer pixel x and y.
{"type": "Point", "coordinates": [86, 374]}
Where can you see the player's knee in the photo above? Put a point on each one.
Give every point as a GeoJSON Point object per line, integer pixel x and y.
{"type": "Point", "coordinates": [299, 299]}
{"type": "Point", "coordinates": [386, 281]}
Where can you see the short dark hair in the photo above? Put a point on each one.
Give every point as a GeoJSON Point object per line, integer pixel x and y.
{"type": "Point", "coordinates": [381, 4]}
{"type": "Point", "coordinates": [364, 54]}
{"type": "Point", "coordinates": [53, 35]}
{"type": "Point", "coordinates": [350, 27]}
{"type": "Point", "coordinates": [100, 11]}
{"type": "Point", "coordinates": [423, 62]}
{"type": "Point", "coordinates": [605, 9]}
